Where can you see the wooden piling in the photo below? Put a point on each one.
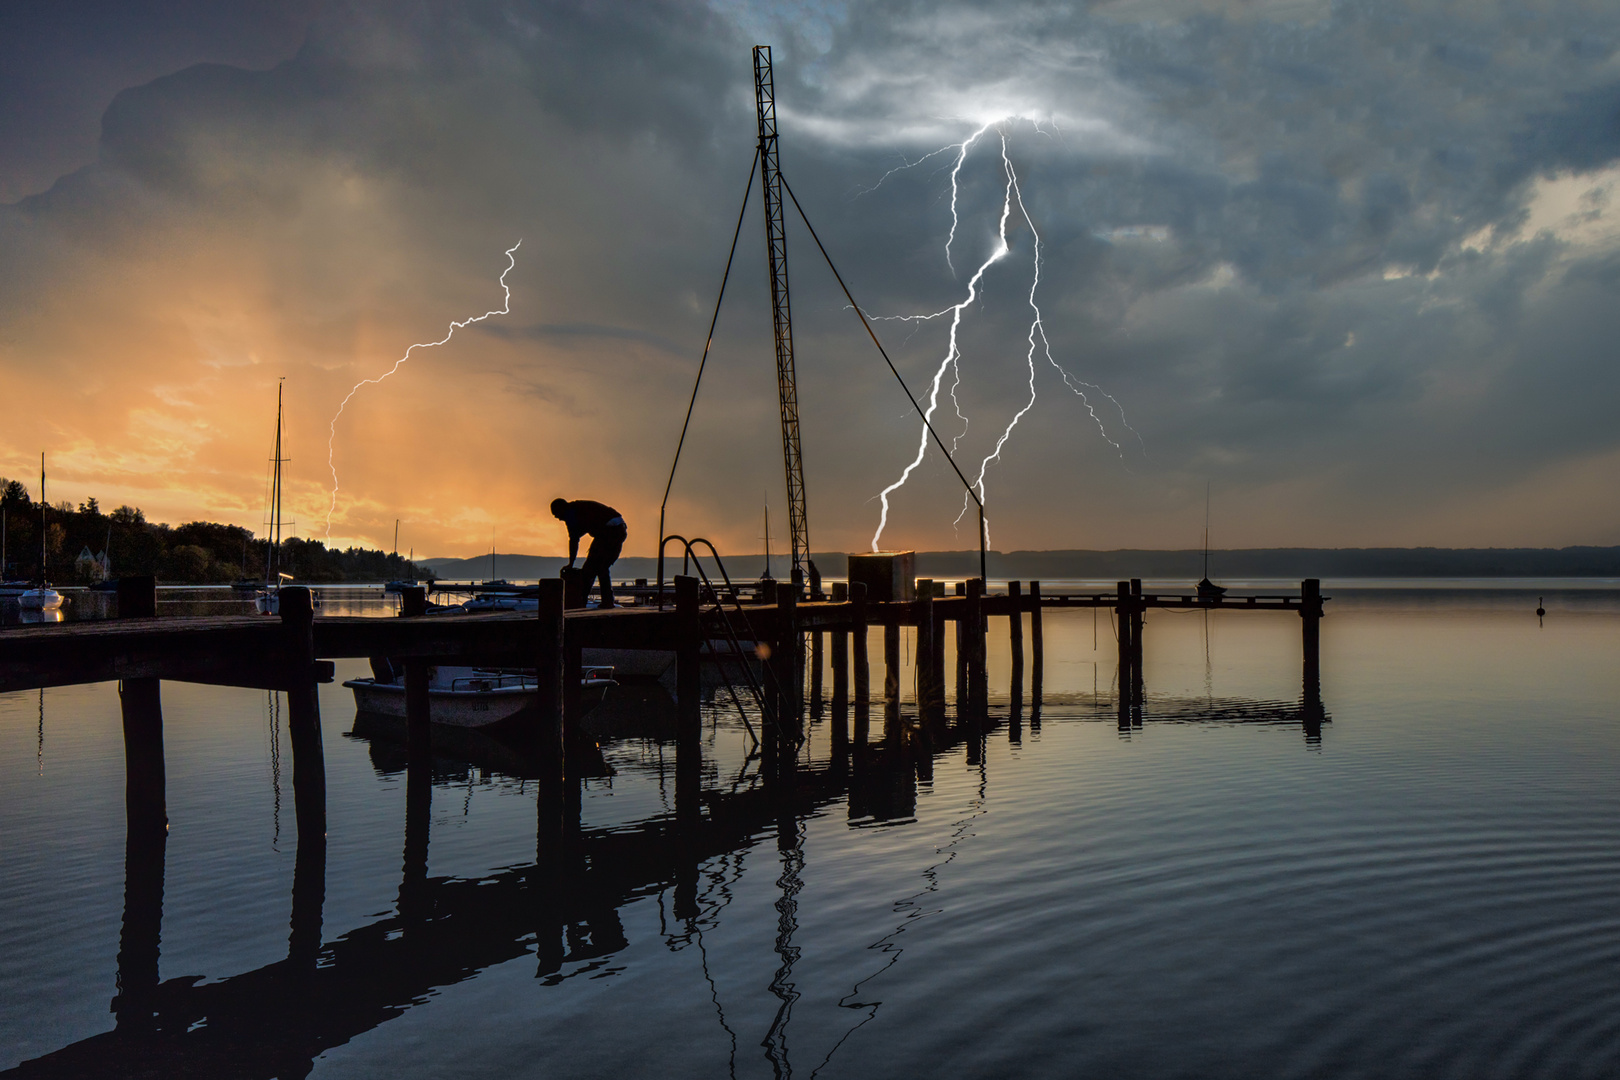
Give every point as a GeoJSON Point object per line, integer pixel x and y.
{"type": "Point", "coordinates": [973, 620]}
{"type": "Point", "coordinates": [858, 656]}
{"type": "Point", "coordinates": [1037, 652]}
{"type": "Point", "coordinates": [817, 662]}
{"type": "Point", "coordinates": [929, 694]}
{"type": "Point", "coordinates": [309, 777]}
{"type": "Point", "coordinates": [1015, 638]}
{"type": "Point", "coordinates": [1310, 614]}
{"type": "Point", "coordinates": [1137, 610]}
{"type": "Point", "coordinates": [891, 667]}
{"type": "Point", "coordinates": [550, 676]}
{"type": "Point", "coordinates": [688, 657]}
{"type": "Point", "coordinates": [137, 597]}
{"type": "Point", "coordinates": [304, 712]}
{"type": "Point", "coordinates": [145, 840]}
{"type": "Point", "coordinates": [962, 655]}
{"type": "Point", "coordinates": [418, 724]}
{"type": "Point", "coordinates": [840, 660]}
{"type": "Point", "coordinates": [1122, 612]}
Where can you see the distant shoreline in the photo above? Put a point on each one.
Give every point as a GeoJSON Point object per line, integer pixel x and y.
{"type": "Point", "coordinates": [1288, 563]}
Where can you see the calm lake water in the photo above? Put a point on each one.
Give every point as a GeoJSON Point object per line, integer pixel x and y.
{"type": "Point", "coordinates": [1426, 887]}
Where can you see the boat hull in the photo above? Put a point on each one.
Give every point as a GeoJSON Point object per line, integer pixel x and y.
{"type": "Point", "coordinates": [471, 709]}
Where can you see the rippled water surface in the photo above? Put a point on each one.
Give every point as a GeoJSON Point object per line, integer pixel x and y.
{"type": "Point", "coordinates": [1422, 885]}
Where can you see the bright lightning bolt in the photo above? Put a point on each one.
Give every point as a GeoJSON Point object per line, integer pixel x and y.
{"type": "Point", "coordinates": [505, 309]}
{"type": "Point", "coordinates": [1037, 329]}
{"type": "Point", "coordinates": [952, 353]}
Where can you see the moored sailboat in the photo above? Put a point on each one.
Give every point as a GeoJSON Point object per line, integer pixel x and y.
{"type": "Point", "coordinates": [42, 597]}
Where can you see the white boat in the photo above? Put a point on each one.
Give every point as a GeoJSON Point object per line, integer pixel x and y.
{"type": "Point", "coordinates": [43, 598]}
{"type": "Point", "coordinates": [467, 697]}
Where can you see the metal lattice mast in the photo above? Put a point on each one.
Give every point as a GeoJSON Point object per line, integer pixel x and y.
{"type": "Point", "coordinates": [787, 389]}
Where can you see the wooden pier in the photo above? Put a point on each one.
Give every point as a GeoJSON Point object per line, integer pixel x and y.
{"type": "Point", "coordinates": [697, 623]}
{"type": "Point", "coordinates": [275, 1020]}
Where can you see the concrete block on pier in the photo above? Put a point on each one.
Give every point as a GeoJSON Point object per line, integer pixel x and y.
{"type": "Point", "coordinates": [888, 575]}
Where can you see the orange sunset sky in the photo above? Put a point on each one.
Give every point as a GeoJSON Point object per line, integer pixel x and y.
{"type": "Point", "coordinates": [1362, 284]}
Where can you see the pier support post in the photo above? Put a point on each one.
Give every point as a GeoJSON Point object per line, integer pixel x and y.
{"type": "Point", "coordinates": [840, 658]}
{"type": "Point", "coordinates": [418, 723]}
{"type": "Point", "coordinates": [978, 678]}
{"type": "Point", "coordinates": [817, 662]}
{"type": "Point", "coordinates": [304, 712]}
{"type": "Point", "coordinates": [1037, 656]}
{"type": "Point", "coordinates": [788, 659]}
{"type": "Point", "coordinates": [962, 654]}
{"type": "Point", "coordinates": [1138, 607]}
{"type": "Point", "coordinates": [1127, 655]}
{"type": "Point", "coordinates": [688, 658]}
{"type": "Point", "coordinates": [858, 656]}
{"type": "Point", "coordinates": [891, 667]}
{"type": "Point", "coordinates": [137, 597]}
{"type": "Point", "coordinates": [550, 679]}
{"type": "Point", "coordinates": [1015, 639]}
{"type": "Point", "coordinates": [145, 840]}
{"type": "Point", "coordinates": [1310, 615]}
{"type": "Point", "coordinates": [309, 776]}
{"type": "Point", "coordinates": [839, 641]}
{"type": "Point", "coordinates": [928, 696]}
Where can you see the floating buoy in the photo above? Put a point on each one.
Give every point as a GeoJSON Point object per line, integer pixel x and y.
{"type": "Point", "coordinates": [1540, 610]}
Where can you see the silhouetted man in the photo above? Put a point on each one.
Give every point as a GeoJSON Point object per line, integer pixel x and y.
{"type": "Point", "coordinates": [607, 531]}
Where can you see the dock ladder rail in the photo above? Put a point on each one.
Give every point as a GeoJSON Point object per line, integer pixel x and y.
{"type": "Point", "coordinates": [736, 652]}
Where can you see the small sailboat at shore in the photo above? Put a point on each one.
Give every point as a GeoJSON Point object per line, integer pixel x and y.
{"type": "Point", "coordinates": [1207, 589]}
{"type": "Point", "coordinates": [267, 598]}
{"type": "Point", "coordinates": [42, 597]}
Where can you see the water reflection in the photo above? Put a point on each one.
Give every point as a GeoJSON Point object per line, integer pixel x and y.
{"type": "Point", "coordinates": [564, 908]}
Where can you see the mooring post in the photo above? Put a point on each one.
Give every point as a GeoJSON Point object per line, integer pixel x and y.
{"type": "Point", "coordinates": [550, 677]}
{"type": "Point", "coordinates": [137, 597]}
{"type": "Point", "coordinates": [1127, 679]}
{"type": "Point", "coordinates": [1037, 656]}
{"type": "Point", "coordinates": [688, 657]}
{"type": "Point", "coordinates": [962, 652]}
{"type": "Point", "coordinates": [891, 665]}
{"type": "Point", "coordinates": [1310, 615]}
{"type": "Point", "coordinates": [978, 679]}
{"type": "Point", "coordinates": [858, 656]}
{"type": "Point", "coordinates": [304, 711]}
{"type": "Point", "coordinates": [688, 727]}
{"type": "Point", "coordinates": [309, 776]}
{"type": "Point", "coordinates": [817, 662]}
{"type": "Point", "coordinates": [840, 663]}
{"type": "Point", "coordinates": [927, 673]}
{"type": "Point", "coordinates": [788, 657]}
{"type": "Point", "coordinates": [418, 729]}
{"type": "Point", "coordinates": [1138, 609]}
{"type": "Point", "coordinates": [145, 841]}
{"type": "Point", "coordinates": [1015, 594]}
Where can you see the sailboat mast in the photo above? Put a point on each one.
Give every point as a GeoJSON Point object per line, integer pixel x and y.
{"type": "Point", "coordinates": [276, 562]}
{"type": "Point", "coordinates": [1206, 530]}
{"type": "Point", "coordinates": [44, 576]}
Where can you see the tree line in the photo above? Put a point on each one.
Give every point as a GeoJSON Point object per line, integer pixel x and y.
{"type": "Point", "coordinates": [196, 553]}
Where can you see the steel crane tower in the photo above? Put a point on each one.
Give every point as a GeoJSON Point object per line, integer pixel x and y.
{"type": "Point", "coordinates": [787, 389]}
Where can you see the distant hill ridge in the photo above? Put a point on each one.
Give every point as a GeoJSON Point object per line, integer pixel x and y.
{"type": "Point", "coordinates": [1420, 562]}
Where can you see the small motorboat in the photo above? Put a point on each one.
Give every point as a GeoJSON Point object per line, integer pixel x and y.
{"type": "Point", "coordinates": [466, 697]}
{"type": "Point", "coordinates": [43, 598]}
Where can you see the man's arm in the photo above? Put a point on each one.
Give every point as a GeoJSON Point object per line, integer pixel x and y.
{"type": "Point", "coordinates": [573, 544]}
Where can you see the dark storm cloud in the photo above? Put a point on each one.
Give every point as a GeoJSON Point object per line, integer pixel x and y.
{"type": "Point", "coordinates": [1298, 242]}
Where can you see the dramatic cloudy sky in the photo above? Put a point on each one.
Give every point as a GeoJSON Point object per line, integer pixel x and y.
{"type": "Point", "coordinates": [1356, 266]}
